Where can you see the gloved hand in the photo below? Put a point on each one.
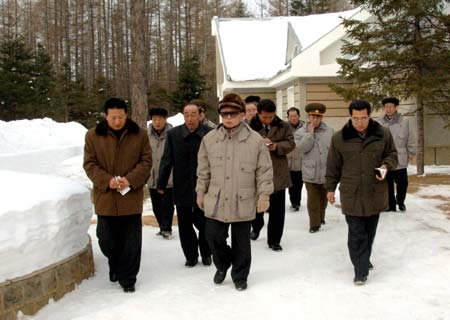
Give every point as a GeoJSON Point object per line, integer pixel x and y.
{"type": "Point", "coordinates": [200, 200]}
{"type": "Point", "coordinates": [263, 203]}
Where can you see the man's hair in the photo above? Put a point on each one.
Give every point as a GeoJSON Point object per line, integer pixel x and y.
{"type": "Point", "coordinates": [191, 104]}
{"type": "Point", "coordinates": [266, 105]}
{"type": "Point", "coordinates": [252, 99]}
{"type": "Point", "coordinates": [202, 105]}
{"type": "Point", "coordinates": [359, 105]}
{"type": "Point", "coordinates": [393, 100]}
{"type": "Point", "coordinates": [115, 103]}
{"type": "Point", "coordinates": [158, 112]}
{"type": "Point", "coordinates": [292, 109]}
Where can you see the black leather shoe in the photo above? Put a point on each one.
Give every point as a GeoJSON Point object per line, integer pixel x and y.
{"type": "Point", "coordinates": [190, 263]}
{"type": "Point", "coordinates": [240, 285]}
{"type": "Point", "coordinates": [129, 288]}
{"type": "Point", "coordinates": [360, 280]}
{"type": "Point", "coordinates": [401, 207]}
{"type": "Point", "coordinates": [390, 210]}
{"type": "Point", "coordinates": [219, 276]}
{"type": "Point", "coordinates": [322, 222]}
{"type": "Point", "coordinates": [254, 235]}
{"type": "Point", "coordinates": [314, 229]}
{"type": "Point", "coordinates": [370, 266]}
{"type": "Point", "coordinates": [206, 261]}
{"type": "Point", "coordinates": [276, 247]}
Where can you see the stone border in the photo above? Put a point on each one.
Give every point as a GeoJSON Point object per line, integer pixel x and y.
{"type": "Point", "coordinates": [32, 292]}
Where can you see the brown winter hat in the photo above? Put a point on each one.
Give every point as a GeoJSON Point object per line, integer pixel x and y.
{"type": "Point", "coordinates": [232, 100]}
{"type": "Point", "coordinates": [315, 108]}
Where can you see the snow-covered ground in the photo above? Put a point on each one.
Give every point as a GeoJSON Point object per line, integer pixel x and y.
{"type": "Point", "coordinates": [310, 279]}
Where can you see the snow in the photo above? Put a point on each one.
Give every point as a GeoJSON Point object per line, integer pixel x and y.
{"type": "Point", "coordinates": [249, 44]}
{"type": "Point", "coordinates": [45, 218]}
{"type": "Point", "coordinates": [310, 279]}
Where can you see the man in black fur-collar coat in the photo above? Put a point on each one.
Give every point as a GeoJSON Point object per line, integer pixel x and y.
{"type": "Point", "coordinates": [356, 151]}
{"type": "Point", "coordinates": [117, 157]}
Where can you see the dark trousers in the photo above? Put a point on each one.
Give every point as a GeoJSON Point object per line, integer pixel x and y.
{"type": "Point", "coordinates": [400, 178]}
{"type": "Point", "coordinates": [188, 217]}
{"type": "Point", "coordinates": [120, 240]}
{"type": "Point", "coordinates": [316, 203]}
{"type": "Point", "coordinates": [277, 212]}
{"type": "Point", "coordinates": [295, 192]}
{"type": "Point", "coordinates": [361, 233]}
{"type": "Point", "coordinates": [163, 208]}
{"type": "Point", "coordinates": [239, 255]}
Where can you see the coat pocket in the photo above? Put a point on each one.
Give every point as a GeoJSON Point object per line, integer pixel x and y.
{"type": "Point", "coordinates": [348, 195]}
{"type": "Point", "coordinates": [212, 201]}
{"type": "Point", "coordinates": [380, 197]}
{"type": "Point", "coordinates": [246, 204]}
{"type": "Point", "coordinates": [309, 168]}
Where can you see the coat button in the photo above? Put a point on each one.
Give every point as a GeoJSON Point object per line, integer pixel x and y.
{"type": "Point", "coordinates": [226, 199]}
{"type": "Point", "coordinates": [228, 178]}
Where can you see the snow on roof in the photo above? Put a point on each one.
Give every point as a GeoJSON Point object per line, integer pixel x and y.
{"type": "Point", "coordinates": [311, 28]}
{"type": "Point", "coordinates": [255, 48]}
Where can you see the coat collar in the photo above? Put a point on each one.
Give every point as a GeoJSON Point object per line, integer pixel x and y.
{"type": "Point", "coordinates": [242, 131]}
{"type": "Point", "coordinates": [257, 125]}
{"type": "Point", "coordinates": [201, 130]}
{"type": "Point", "coordinates": [163, 133]}
{"type": "Point", "coordinates": [393, 120]}
{"type": "Point", "coordinates": [374, 130]}
{"type": "Point", "coordinates": [102, 127]}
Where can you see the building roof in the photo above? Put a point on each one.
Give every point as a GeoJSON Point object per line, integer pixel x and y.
{"type": "Point", "coordinates": [258, 48]}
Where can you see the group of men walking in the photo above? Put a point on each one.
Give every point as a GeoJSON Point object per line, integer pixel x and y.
{"type": "Point", "coordinates": [228, 176]}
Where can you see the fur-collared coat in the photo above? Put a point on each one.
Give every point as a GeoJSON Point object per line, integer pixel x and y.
{"type": "Point", "coordinates": [105, 157]}
{"type": "Point", "coordinates": [352, 161]}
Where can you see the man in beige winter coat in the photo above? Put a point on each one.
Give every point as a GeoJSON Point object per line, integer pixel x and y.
{"type": "Point", "coordinates": [234, 179]}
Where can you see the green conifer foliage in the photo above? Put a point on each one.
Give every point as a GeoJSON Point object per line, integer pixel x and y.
{"type": "Point", "coordinates": [403, 50]}
{"type": "Point", "coordinates": [190, 83]}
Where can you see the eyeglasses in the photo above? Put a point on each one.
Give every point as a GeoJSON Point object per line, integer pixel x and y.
{"type": "Point", "coordinates": [229, 114]}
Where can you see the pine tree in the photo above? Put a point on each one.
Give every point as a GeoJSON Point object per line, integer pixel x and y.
{"type": "Point", "coordinates": [190, 83]}
{"type": "Point", "coordinates": [404, 51]}
{"type": "Point", "coordinates": [16, 83]}
{"type": "Point", "coordinates": [238, 9]}
{"type": "Point", "coordinates": [44, 102]}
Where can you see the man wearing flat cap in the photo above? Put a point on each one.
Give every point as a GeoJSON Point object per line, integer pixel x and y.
{"type": "Point", "coordinates": [234, 181]}
{"type": "Point", "coordinates": [314, 140]}
{"type": "Point", "coordinates": [405, 143]}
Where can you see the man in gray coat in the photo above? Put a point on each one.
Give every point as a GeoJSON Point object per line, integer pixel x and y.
{"type": "Point", "coordinates": [162, 204]}
{"type": "Point", "coordinates": [295, 161]}
{"type": "Point", "coordinates": [356, 151]}
{"type": "Point", "coordinates": [234, 179]}
{"type": "Point", "coordinates": [314, 141]}
{"type": "Point", "coordinates": [405, 142]}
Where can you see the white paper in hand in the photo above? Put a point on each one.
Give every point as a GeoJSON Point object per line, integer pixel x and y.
{"type": "Point", "coordinates": [381, 172]}
{"type": "Point", "coordinates": [123, 191]}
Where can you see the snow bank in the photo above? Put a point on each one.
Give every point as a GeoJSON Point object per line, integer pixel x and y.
{"type": "Point", "coordinates": [39, 145]}
{"type": "Point", "coordinates": [44, 220]}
